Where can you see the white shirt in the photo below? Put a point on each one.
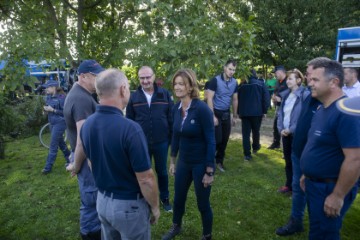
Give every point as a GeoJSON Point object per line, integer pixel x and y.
{"type": "Point", "coordinates": [148, 97]}
{"type": "Point", "coordinates": [288, 106]}
{"type": "Point", "coordinates": [352, 91]}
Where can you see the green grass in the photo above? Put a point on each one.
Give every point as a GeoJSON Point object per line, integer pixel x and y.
{"type": "Point", "coordinates": [244, 198]}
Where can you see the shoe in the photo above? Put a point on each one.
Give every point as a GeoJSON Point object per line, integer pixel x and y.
{"type": "Point", "coordinates": [274, 146]}
{"type": "Point", "coordinates": [292, 227]}
{"type": "Point", "coordinates": [247, 158]}
{"type": "Point", "coordinates": [174, 230]}
{"type": "Point", "coordinates": [206, 237]}
{"type": "Point", "coordinates": [220, 166]}
{"type": "Point", "coordinates": [45, 171]}
{"type": "Point", "coordinates": [166, 205]}
{"type": "Point", "coordinates": [256, 150]}
{"type": "Point", "coordinates": [284, 189]}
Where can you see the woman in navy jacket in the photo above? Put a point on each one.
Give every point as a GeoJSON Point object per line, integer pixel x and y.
{"type": "Point", "coordinates": [54, 108]}
{"type": "Point", "coordinates": [194, 140]}
{"type": "Point", "coordinates": [289, 113]}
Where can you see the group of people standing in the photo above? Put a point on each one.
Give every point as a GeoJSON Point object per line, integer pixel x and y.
{"type": "Point", "coordinates": [117, 184]}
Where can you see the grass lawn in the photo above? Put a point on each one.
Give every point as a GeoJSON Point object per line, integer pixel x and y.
{"type": "Point", "coordinates": [244, 198]}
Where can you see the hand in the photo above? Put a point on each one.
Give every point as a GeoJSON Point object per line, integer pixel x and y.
{"type": "Point", "coordinates": [333, 205]}
{"type": "Point", "coordinates": [277, 99]}
{"type": "Point", "coordinates": [233, 120]}
{"type": "Point", "coordinates": [155, 215]}
{"type": "Point", "coordinates": [216, 121]}
{"type": "Point", "coordinates": [48, 108]}
{"type": "Point", "coordinates": [207, 180]}
{"type": "Point", "coordinates": [71, 168]}
{"type": "Point", "coordinates": [172, 169]}
{"type": "Point", "coordinates": [285, 132]}
{"type": "Point", "coordinates": [302, 183]}
{"type": "Point", "coordinates": [264, 116]}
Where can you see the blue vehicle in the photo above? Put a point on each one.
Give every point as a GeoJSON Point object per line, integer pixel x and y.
{"type": "Point", "coordinates": [348, 47]}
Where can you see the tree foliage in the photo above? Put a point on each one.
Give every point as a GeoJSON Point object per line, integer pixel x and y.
{"type": "Point", "coordinates": [166, 34]}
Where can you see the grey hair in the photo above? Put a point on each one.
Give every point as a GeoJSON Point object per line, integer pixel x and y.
{"type": "Point", "coordinates": [109, 81]}
{"type": "Point", "coordinates": [332, 68]}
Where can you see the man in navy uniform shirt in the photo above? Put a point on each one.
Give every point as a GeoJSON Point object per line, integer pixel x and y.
{"type": "Point", "coordinates": [331, 159]}
{"type": "Point", "coordinates": [117, 150]}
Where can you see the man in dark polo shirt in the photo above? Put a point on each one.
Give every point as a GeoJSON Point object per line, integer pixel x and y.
{"type": "Point", "coordinates": [280, 74]}
{"type": "Point", "coordinates": [151, 107]}
{"type": "Point", "coordinates": [221, 94]}
{"type": "Point", "coordinates": [79, 104]}
{"type": "Point", "coordinates": [330, 161]}
{"type": "Point", "coordinates": [117, 150]}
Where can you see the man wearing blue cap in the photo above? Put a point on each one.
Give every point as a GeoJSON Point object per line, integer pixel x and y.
{"type": "Point", "coordinates": [79, 105]}
{"type": "Point", "coordinates": [54, 108]}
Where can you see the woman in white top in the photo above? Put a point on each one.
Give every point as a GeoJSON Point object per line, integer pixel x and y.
{"type": "Point", "coordinates": [289, 112]}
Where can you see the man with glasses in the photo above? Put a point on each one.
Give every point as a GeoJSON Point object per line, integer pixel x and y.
{"type": "Point", "coordinates": [151, 107]}
{"type": "Point", "coordinates": [80, 104]}
{"type": "Point", "coordinates": [222, 93]}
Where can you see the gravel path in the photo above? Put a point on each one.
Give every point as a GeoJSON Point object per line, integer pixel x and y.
{"type": "Point", "coordinates": [265, 131]}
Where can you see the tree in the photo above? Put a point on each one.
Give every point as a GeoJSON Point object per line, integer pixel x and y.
{"type": "Point", "coordinates": [164, 34]}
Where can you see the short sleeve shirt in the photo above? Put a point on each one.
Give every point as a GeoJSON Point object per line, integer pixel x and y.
{"type": "Point", "coordinates": [330, 132]}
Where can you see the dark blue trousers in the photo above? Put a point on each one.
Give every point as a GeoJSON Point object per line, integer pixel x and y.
{"type": "Point", "coordinates": [57, 141]}
{"type": "Point", "coordinates": [321, 226]}
{"type": "Point", "coordinates": [298, 196]}
{"type": "Point", "coordinates": [287, 147]}
{"type": "Point", "coordinates": [250, 125]}
{"type": "Point", "coordinates": [185, 174]}
{"type": "Point", "coordinates": [160, 153]}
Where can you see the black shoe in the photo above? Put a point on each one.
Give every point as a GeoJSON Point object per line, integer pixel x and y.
{"type": "Point", "coordinates": [206, 237]}
{"type": "Point", "coordinates": [274, 146]}
{"type": "Point", "coordinates": [174, 230]}
{"type": "Point", "coordinates": [166, 205]}
{"type": "Point", "coordinates": [247, 158]}
{"type": "Point", "coordinates": [256, 150]}
{"type": "Point", "coordinates": [292, 227]}
{"type": "Point", "coordinates": [45, 171]}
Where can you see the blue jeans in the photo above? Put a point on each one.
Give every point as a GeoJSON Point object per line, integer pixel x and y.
{"type": "Point", "coordinates": [321, 226]}
{"type": "Point", "coordinates": [185, 174]}
{"type": "Point", "coordinates": [123, 219]}
{"type": "Point", "coordinates": [298, 196]}
{"type": "Point", "coordinates": [57, 141]}
{"type": "Point", "coordinates": [89, 220]}
{"type": "Point", "coordinates": [160, 153]}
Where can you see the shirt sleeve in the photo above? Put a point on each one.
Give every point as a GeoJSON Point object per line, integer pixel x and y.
{"type": "Point", "coordinates": [348, 131]}
{"type": "Point", "coordinates": [138, 151]}
{"type": "Point", "coordinates": [213, 85]}
{"type": "Point", "coordinates": [207, 123]}
{"type": "Point", "coordinates": [175, 133]}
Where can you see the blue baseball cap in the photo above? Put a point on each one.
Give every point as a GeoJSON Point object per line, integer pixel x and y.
{"type": "Point", "coordinates": [90, 66]}
{"type": "Point", "coordinates": [349, 106]}
{"type": "Point", "coordinates": [280, 67]}
{"type": "Point", "coordinates": [51, 83]}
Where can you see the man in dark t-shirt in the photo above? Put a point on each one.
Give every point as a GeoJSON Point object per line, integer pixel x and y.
{"type": "Point", "coordinates": [330, 161]}
{"type": "Point", "coordinates": [80, 104]}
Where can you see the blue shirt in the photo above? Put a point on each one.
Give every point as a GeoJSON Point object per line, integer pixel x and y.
{"type": "Point", "coordinates": [57, 103]}
{"type": "Point", "coordinates": [194, 138]}
{"type": "Point", "coordinates": [117, 148]}
{"type": "Point", "coordinates": [330, 132]}
{"type": "Point", "coordinates": [224, 90]}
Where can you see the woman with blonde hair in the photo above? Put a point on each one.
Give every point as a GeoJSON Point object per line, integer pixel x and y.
{"type": "Point", "coordinates": [194, 140]}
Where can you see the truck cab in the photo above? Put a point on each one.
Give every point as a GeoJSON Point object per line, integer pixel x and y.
{"type": "Point", "coordinates": [348, 47]}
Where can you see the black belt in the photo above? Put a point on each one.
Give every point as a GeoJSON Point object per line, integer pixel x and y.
{"type": "Point", "coordinates": [322, 180]}
{"type": "Point", "coordinates": [119, 196]}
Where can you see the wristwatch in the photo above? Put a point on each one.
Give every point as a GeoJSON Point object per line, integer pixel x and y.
{"type": "Point", "coordinates": [210, 174]}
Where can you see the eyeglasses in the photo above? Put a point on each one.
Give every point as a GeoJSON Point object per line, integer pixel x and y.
{"type": "Point", "coordinates": [146, 78]}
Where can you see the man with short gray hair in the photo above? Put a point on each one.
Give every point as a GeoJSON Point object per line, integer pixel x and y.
{"type": "Point", "coordinates": [117, 150]}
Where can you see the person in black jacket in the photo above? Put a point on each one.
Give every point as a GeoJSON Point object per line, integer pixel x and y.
{"type": "Point", "coordinates": [253, 103]}
{"type": "Point", "coordinates": [151, 107]}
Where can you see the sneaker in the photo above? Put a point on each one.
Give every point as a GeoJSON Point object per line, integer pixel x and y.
{"type": "Point", "coordinates": [174, 230]}
{"type": "Point", "coordinates": [45, 171]}
{"type": "Point", "coordinates": [274, 146]}
{"type": "Point", "coordinates": [292, 227]}
{"type": "Point", "coordinates": [166, 205]}
{"type": "Point", "coordinates": [220, 166]}
{"type": "Point", "coordinates": [284, 189]}
{"type": "Point", "coordinates": [247, 158]}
